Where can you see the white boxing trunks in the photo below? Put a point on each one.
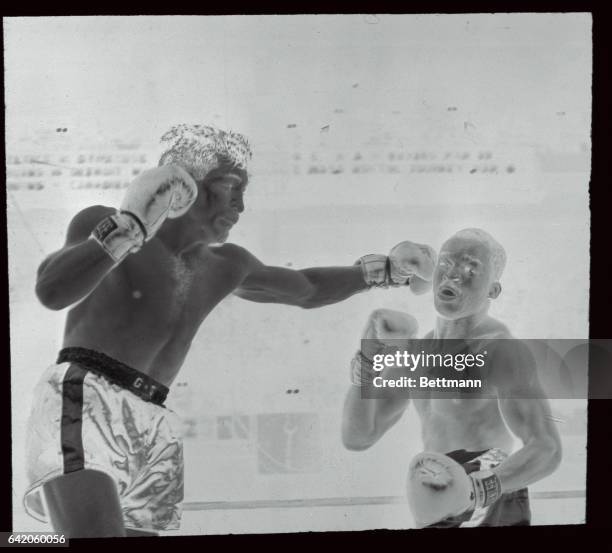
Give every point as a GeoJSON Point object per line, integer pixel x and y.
{"type": "Point", "coordinates": [92, 412]}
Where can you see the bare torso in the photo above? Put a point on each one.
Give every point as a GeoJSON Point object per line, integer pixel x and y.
{"type": "Point", "coordinates": [146, 311]}
{"type": "Point", "coordinates": [469, 423]}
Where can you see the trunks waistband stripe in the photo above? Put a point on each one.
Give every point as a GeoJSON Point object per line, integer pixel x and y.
{"type": "Point", "coordinates": [128, 378]}
{"type": "Point", "coordinates": [72, 419]}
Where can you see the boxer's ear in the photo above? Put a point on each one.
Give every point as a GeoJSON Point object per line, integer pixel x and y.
{"type": "Point", "coordinates": [495, 290]}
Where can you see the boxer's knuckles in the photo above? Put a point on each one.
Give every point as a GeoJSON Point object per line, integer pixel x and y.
{"type": "Point", "coordinates": [437, 488]}
{"type": "Point", "coordinates": [409, 260]}
{"type": "Point", "coordinates": [388, 324]}
{"type": "Point", "coordinates": [184, 187]}
{"type": "Point", "coordinates": [173, 186]}
{"type": "Point", "coordinates": [158, 193]}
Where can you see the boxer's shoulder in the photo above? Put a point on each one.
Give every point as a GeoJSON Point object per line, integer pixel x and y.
{"type": "Point", "coordinates": [234, 256]}
{"type": "Point", "coordinates": [232, 252]}
{"type": "Point", "coordinates": [492, 329]}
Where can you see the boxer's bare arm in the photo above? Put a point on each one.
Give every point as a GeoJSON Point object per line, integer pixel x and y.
{"type": "Point", "coordinates": [307, 288]}
{"type": "Point", "coordinates": [527, 415]}
{"type": "Point", "coordinates": [365, 420]}
{"type": "Point", "coordinates": [73, 272]}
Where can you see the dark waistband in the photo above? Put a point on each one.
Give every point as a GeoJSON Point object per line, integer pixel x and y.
{"type": "Point", "coordinates": [523, 493]}
{"type": "Point", "coordinates": [136, 382]}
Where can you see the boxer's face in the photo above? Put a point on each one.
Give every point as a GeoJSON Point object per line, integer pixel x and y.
{"type": "Point", "coordinates": [219, 204]}
{"type": "Point", "coordinates": [463, 279]}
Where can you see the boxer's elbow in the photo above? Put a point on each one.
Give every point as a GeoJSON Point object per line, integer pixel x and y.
{"type": "Point", "coordinates": [551, 459]}
{"type": "Point", "coordinates": [554, 449]}
{"type": "Point", "coordinates": [549, 452]}
{"type": "Point", "coordinates": [51, 295]}
{"type": "Point", "coordinates": [555, 454]}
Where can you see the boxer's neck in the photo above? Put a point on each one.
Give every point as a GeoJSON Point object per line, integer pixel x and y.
{"type": "Point", "coordinates": [178, 236]}
{"type": "Point", "coordinates": [465, 327]}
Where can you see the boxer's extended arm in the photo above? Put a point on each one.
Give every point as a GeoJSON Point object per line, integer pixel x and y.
{"type": "Point", "coordinates": [73, 272]}
{"type": "Point", "coordinates": [407, 264]}
{"type": "Point", "coordinates": [307, 288]}
{"type": "Point", "coordinates": [527, 414]}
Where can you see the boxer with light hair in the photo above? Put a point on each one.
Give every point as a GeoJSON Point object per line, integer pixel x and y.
{"type": "Point", "coordinates": [468, 474]}
{"type": "Point", "coordinates": [104, 456]}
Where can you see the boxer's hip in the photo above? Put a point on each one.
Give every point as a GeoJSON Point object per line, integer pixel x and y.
{"type": "Point", "coordinates": [92, 412]}
{"type": "Point", "coordinates": [116, 372]}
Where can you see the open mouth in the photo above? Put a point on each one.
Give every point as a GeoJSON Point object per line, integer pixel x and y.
{"type": "Point", "coordinates": [447, 293]}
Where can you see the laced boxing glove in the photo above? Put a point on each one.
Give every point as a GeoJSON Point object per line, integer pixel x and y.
{"type": "Point", "coordinates": [159, 193]}
{"type": "Point", "coordinates": [408, 263]}
{"type": "Point", "coordinates": [438, 487]}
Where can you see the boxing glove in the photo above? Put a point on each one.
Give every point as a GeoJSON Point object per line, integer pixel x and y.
{"type": "Point", "coordinates": [439, 488]}
{"type": "Point", "coordinates": [408, 263]}
{"type": "Point", "coordinates": [383, 328]}
{"type": "Point", "coordinates": [386, 325]}
{"type": "Point", "coordinates": [155, 195]}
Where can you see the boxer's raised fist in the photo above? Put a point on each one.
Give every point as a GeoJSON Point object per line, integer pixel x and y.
{"type": "Point", "coordinates": [163, 192]}
{"type": "Point", "coordinates": [384, 328]}
{"type": "Point", "coordinates": [387, 324]}
{"type": "Point", "coordinates": [155, 195]}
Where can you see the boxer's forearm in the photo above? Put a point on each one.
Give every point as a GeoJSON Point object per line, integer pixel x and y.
{"type": "Point", "coordinates": [536, 460]}
{"type": "Point", "coordinates": [529, 420]}
{"type": "Point", "coordinates": [365, 421]}
{"type": "Point", "coordinates": [332, 284]}
{"type": "Point", "coordinates": [307, 288]}
{"type": "Point", "coordinates": [71, 274]}
{"type": "Point", "coordinates": [358, 420]}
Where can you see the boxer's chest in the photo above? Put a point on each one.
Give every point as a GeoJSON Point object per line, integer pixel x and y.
{"type": "Point", "coordinates": [180, 289]}
{"type": "Point", "coordinates": [448, 424]}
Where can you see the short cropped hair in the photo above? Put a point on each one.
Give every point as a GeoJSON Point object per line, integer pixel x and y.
{"type": "Point", "coordinates": [204, 149]}
{"type": "Point", "coordinates": [496, 250]}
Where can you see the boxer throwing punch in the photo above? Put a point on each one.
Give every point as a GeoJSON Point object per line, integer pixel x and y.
{"type": "Point", "coordinates": [104, 455]}
{"type": "Point", "coordinates": [469, 474]}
